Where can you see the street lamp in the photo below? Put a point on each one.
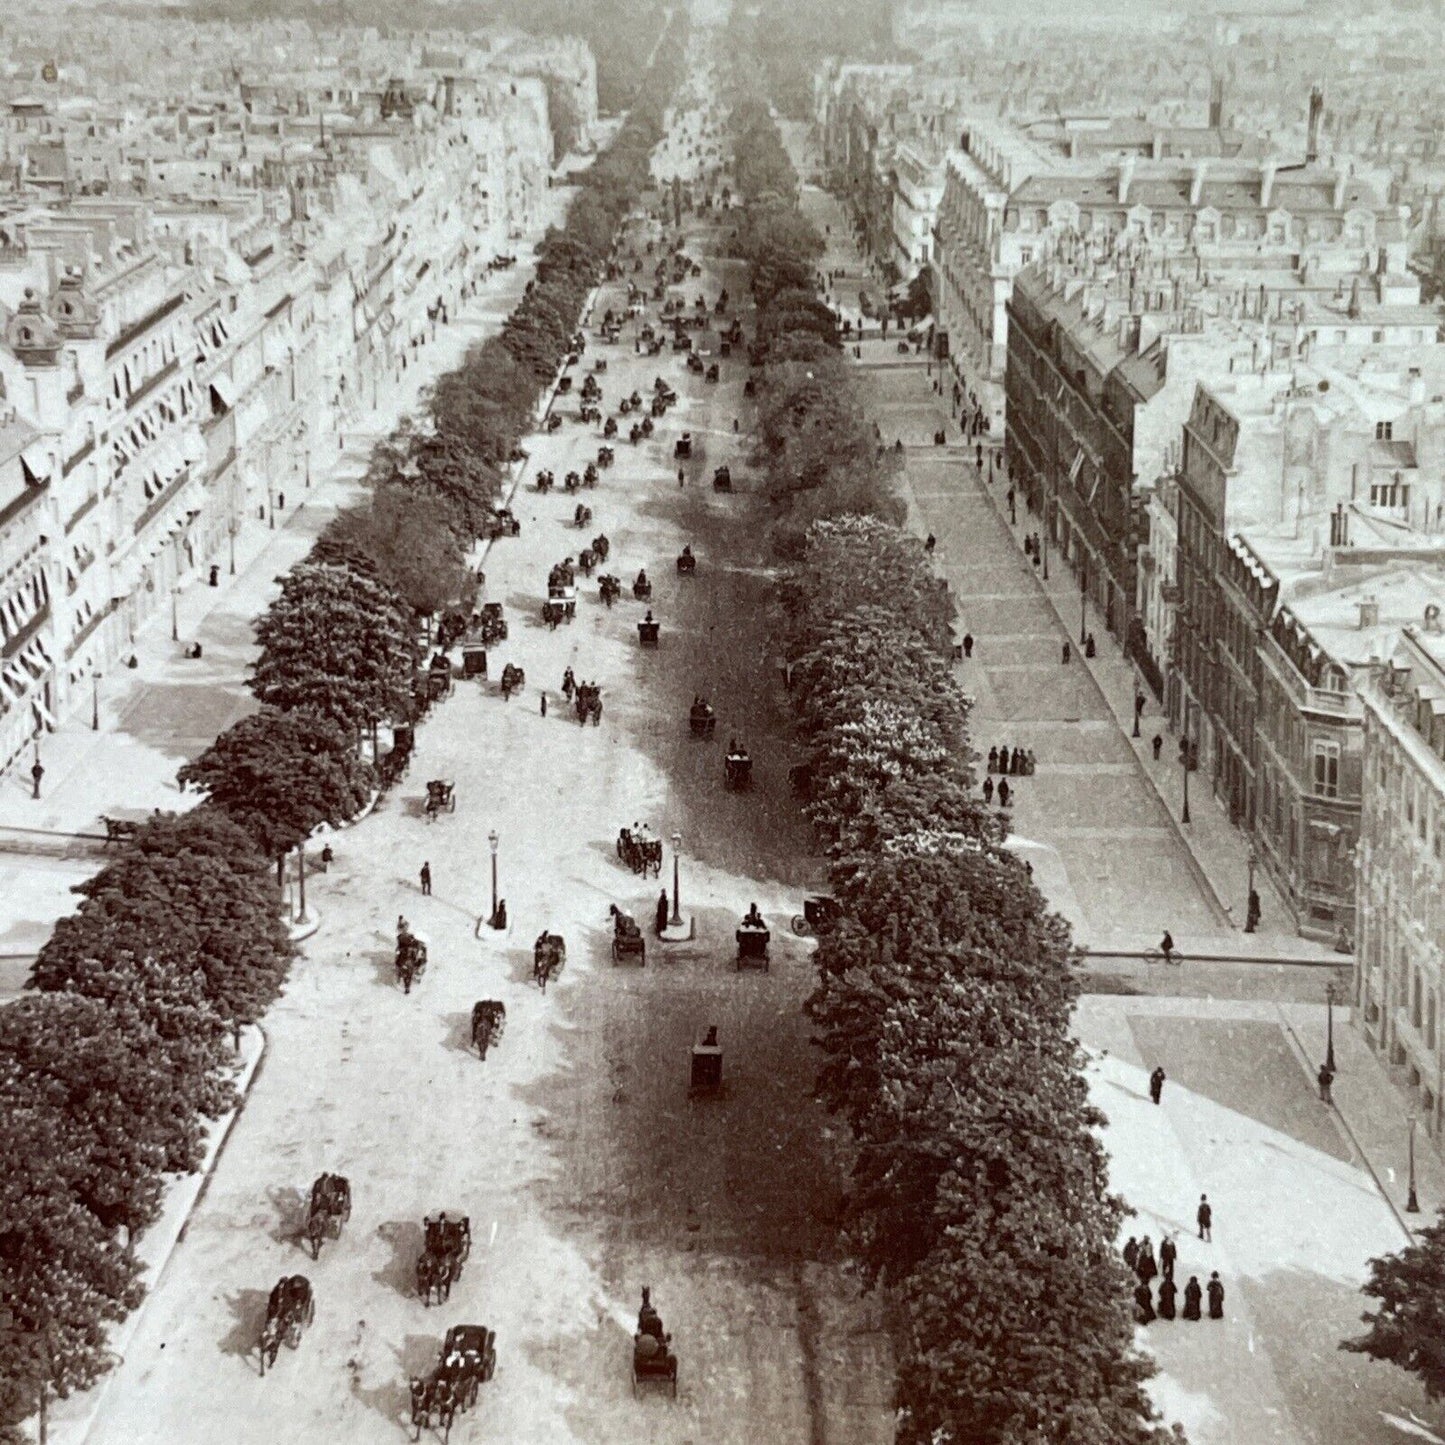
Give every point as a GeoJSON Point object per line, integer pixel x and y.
{"type": "Point", "coordinates": [1412, 1202]}
{"type": "Point", "coordinates": [676, 920]}
{"type": "Point", "coordinates": [95, 702]}
{"type": "Point", "coordinates": [232, 527]}
{"type": "Point", "coordinates": [1138, 705]}
{"type": "Point", "coordinates": [1331, 999]}
{"type": "Point", "coordinates": [1083, 602]}
{"type": "Point", "coordinates": [492, 841]}
{"type": "Point", "coordinates": [1249, 899]}
{"type": "Point", "coordinates": [1047, 499]}
{"type": "Point", "coordinates": [175, 615]}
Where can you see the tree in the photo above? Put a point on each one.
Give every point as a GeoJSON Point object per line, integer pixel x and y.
{"type": "Point", "coordinates": [63, 1277]}
{"type": "Point", "coordinates": [1408, 1328]}
{"type": "Point", "coordinates": [280, 774]}
{"type": "Point", "coordinates": [337, 643]}
{"type": "Point", "coordinates": [193, 889]}
{"type": "Point", "coordinates": [405, 542]}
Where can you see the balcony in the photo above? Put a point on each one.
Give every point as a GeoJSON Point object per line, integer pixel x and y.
{"type": "Point", "coordinates": [152, 382]}
{"type": "Point", "coordinates": [137, 329]}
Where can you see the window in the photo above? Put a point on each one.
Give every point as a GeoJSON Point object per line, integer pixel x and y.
{"type": "Point", "coordinates": [1384, 431]}
{"type": "Point", "coordinates": [1327, 769]}
{"type": "Point", "coordinates": [1026, 254]}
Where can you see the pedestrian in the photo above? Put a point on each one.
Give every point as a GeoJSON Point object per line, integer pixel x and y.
{"type": "Point", "coordinates": [1251, 914]}
{"type": "Point", "coordinates": [1156, 1082]}
{"type": "Point", "coordinates": [569, 684]}
{"type": "Point", "coordinates": [1029, 545]}
{"type": "Point", "coordinates": [681, 477]}
{"type": "Point", "coordinates": [1166, 947]}
{"type": "Point", "coordinates": [1326, 1078]}
{"type": "Point", "coordinates": [1192, 1296]}
{"type": "Point", "coordinates": [544, 702]}
{"type": "Point", "coordinates": [1157, 743]}
{"type": "Point", "coordinates": [1131, 1253]}
{"type": "Point", "coordinates": [1168, 1253]}
{"type": "Point", "coordinates": [930, 544]}
{"type": "Point", "coordinates": [1002, 760]}
{"type": "Point", "coordinates": [662, 912]}
{"type": "Point", "coordinates": [327, 855]}
{"type": "Point", "coordinates": [1029, 763]}
{"type": "Point", "coordinates": [1016, 762]}
{"type": "Point", "coordinates": [36, 773]}
{"type": "Point", "coordinates": [968, 644]}
{"type": "Point", "coordinates": [988, 790]}
{"type": "Point", "coordinates": [978, 456]}
{"type": "Point", "coordinates": [1205, 1215]}
{"type": "Point", "coordinates": [1013, 516]}
{"type": "Point", "coordinates": [1143, 1305]}
{"type": "Point", "coordinates": [993, 760]}
{"type": "Point", "coordinates": [1003, 793]}
{"type": "Point", "coordinates": [1216, 1296]}
{"type": "Point", "coordinates": [1067, 653]}
{"type": "Point", "coordinates": [1167, 1294]}
{"type": "Point", "coordinates": [426, 879]}
{"type": "Point", "coordinates": [1090, 649]}
{"type": "Point", "coordinates": [1146, 1268]}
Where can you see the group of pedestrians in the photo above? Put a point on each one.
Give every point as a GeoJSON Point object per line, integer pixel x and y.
{"type": "Point", "coordinates": [1014, 761]}
{"type": "Point", "coordinates": [1139, 1256]}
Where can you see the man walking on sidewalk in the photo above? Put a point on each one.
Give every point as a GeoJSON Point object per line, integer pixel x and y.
{"type": "Point", "coordinates": [1326, 1079]}
{"type": "Point", "coordinates": [1156, 1082]}
{"type": "Point", "coordinates": [36, 773]}
{"type": "Point", "coordinates": [426, 879]}
{"type": "Point", "coordinates": [1205, 1215]}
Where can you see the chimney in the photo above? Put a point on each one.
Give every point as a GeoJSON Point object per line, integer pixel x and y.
{"type": "Point", "coordinates": [1369, 612]}
{"type": "Point", "coordinates": [1317, 114]}
{"type": "Point", "coordinates": [1126, 179]}
{"type": "Point", "coordinates": [1196, 183]}
{"type": "Point", "coordinates": [1266, 182]}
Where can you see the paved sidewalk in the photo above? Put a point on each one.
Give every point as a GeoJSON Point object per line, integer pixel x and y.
{"type": "Point", "coordinates": [168, 708]}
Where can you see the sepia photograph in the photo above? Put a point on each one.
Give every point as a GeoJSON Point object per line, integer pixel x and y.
{"type": "Point", "coordinates": [722, 722]}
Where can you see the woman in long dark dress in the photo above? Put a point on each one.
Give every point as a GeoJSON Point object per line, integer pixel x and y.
{"type": "Point", "coordinates": [1192, 1295]}
{"type": "Point", "coordinates": [1216, 1296]}
{"type": "Point", "coordinates": [1167, 1293]}
{"type": "Point", "coordinates": [1143, 1304]}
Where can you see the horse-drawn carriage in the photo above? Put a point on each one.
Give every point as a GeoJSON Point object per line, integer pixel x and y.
{"type": "Point", "coordinates": [627, 940]}
{"type": "Point", "coordinates": [753, 937]}
{"type": "Point", "coordinates": [609, 429]}
{"type": "Point", "coordinates": [591, 390]}
{"type": "Point", "coordinates": [588, 414]}
{"type": "Point", "coordinates": [561, 604]}
{"type": "Point", "coordinates": [446, 1246]}
{"type": "Point", "coordinates": [572, 482]}
{"type": "Point", "coordinates": [686, 562]}
{"type": "Point", "coordinates": [328, 1210]}
{"type": "Point", "coordinates": [819, 913]}
{"type": "Point", "coordinates": [609, 588]}
{"type": "Point", "coordinates": [502, 524]}
{"type": "Point", "coordinates": [468, 1360]}
{"type": "Point", "coordinates": [657, 409]}
{"type": "Point", "coordinates": [489, 1018]}
{"type": "Point", "coordinates": [640, 851]}
{"type": "Point", "coordinates": [750, 386]}
{"type": "Point", "coordinates": [648, 631]}
{"type": "Point", "coordinates": [738, 770]}
{"type": "Point", "coordinates": [714, 372]}
{"type": "Point", "coordinates": [601, 546]}
{"type": "Point", "coordinates": [491, 626]}
{"type": "Point", "coordinates": [586, 561]}
{"type": "Point", "coordinates": [652, 1359]}
{"type": "Point", "coordinates": [722, 479]}
{"type": "Point", "coordinates": [582, 516]}
{"type": "Point", "coordinates": [695, 363]}
{"type": "Point", "coordinates": [411, 958]}
{"type": "Point", "coordinates": [119, 830]}
{"type": "Point", "coordinates": [513, 680]}
{"type": "Point", "coordinates": [549, 954]}
{"type": "Point", "coordinates": [589, 475]}
{"type": "Point", "coordinates": [605, 455]}
{"type": "Point", "coordinates": [588, 703]}
{"type": "Point", "coordinates": [289, 1309]}
{"type": "Point", "coordinates": [642, 587]}
{"type": "Point", "coordinates": [554, 419]}
{"type": "Point", "coordinates": [545, 481]}
{"type": "Point", "coordinates": [438, 676]}
{"type": "Point", "coordinates": [441, 796]}
{"type": "Point", "coordinates": [701, 719]}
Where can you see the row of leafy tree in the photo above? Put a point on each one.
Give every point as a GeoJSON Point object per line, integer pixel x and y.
{"type": "Point", "coordinates": [979, 1193]}
{"type": "Point", "coordinates": [817, 453]}
{"type": "Point", "coordinates": [126, 1046]}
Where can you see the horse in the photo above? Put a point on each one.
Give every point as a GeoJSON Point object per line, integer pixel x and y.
{"type": "Point", "coordinates": [609, 589]}
{"type": "Point", "coordinates": [513, 679]}
{"type": "Point", "coordinates": [330, 1208]}
{"type": "Point", "coordinates": [433, 1277]}
{"type": "Point", "coordinates": [290, 1307]}
{"type": "Point", "coordinates": [489, 1018]}
{"type": "Point", "coordinates": [548, 956]}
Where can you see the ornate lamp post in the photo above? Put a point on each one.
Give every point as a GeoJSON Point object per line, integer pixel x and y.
{"type": "Point", "coordinates": [1332, 997]}
{"type": "Point", "coordinates": [95, 701]}
{"type": "Point", "coordinates": [492, 842]}
{"type": "Point", "coordinates": [676, 920]}
{"type": "Point", "coordinates": [1184, 761]}
{"type": "Point", "coordinates": [1083, 602]}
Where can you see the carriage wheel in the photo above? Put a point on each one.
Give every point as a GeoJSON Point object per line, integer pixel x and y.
{"type": "Point", "coordinates": [801, 926]}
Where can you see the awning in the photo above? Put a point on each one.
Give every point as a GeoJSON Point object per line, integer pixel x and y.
{"type": "Point", "coordinates": [223, 392]}
{"type": "Point", "coordinates": [43, 716]}
{"type": "Point", "coordinates": [37, 462]}
{"type": "Point", "coordinates": [922, 324]}
{"type": "Point", "coordinates": [193, 447]}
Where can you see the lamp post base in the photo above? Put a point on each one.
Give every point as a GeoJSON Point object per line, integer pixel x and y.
{"type": "Point", "coordinates": [683, 931]}
{"type": "Point", "coordinates": [1412, 1204]}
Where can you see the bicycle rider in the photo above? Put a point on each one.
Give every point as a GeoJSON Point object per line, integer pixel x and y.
{"type": "Point", "coordinates": [1166, 946]}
